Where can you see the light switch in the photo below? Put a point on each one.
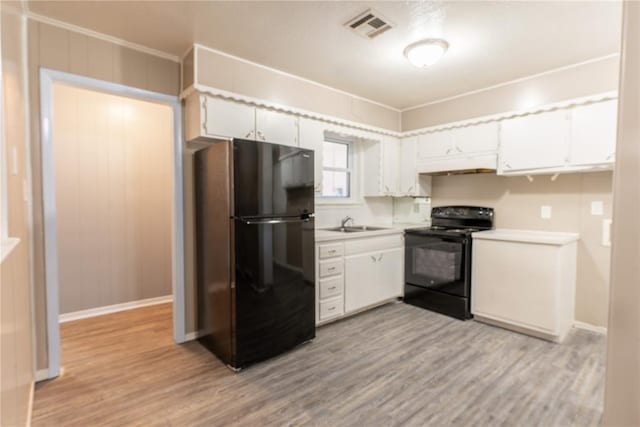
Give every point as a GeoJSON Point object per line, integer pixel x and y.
{"type": "Point", "coordinates": [606, 232]}
{"type": "Point", "coordinates": [545, 212]}
{"type": "Point", "coordinates": [14, 161]}
{"type": "Point", "coordinates": [597, 208]}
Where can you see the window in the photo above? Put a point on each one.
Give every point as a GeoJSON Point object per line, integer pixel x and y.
{"type": "Point", "coordinates": [337, 162]}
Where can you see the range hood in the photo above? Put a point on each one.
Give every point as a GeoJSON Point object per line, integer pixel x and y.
{"type": "Point", "coordinates": [485, 163]}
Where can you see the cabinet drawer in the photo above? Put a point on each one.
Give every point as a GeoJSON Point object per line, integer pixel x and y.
{"type": "Point", "coordinates": [331, 268]}
{"type": "Point", "coordinates": [331, 251]}
{"type": "Point", "coordinates": [331, 287]}
{"type": "Point", "coordinates": [360, 246]}
{"type": "Point", "coordinates": [331, 308]}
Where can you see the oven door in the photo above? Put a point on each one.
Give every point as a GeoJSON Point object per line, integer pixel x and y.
{"type": "Point", "coordinates": [438, 263]}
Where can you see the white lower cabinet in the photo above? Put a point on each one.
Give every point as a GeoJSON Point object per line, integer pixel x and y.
{"type": "Point", "coordinates": [354, 274]}
{"type": "Point", "coordinates": [525, 281]}
{"type": "Point", "coordinates": [373, 277]}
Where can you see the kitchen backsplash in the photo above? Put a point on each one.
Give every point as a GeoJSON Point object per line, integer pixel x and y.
{"type": "Point", "coordinates": [377, 210]}
{"type": "Point", "coordinates": [411, 209]}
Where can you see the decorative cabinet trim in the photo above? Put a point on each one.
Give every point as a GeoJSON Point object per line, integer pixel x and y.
{"type": "Point", "coordinates": [257, 102]}
{"type": "Point", "coordinates": [569, 103]}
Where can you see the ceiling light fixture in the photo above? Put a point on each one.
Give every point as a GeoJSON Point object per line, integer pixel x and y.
{"type": "Point", "coordinates": [426, 52]}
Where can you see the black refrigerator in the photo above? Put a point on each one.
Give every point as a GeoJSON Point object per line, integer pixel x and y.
{"type": "Point", "coordinates": [254, 205]}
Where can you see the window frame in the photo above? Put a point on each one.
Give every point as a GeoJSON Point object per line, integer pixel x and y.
{"type": "Point", "coordinates": [351, 171]}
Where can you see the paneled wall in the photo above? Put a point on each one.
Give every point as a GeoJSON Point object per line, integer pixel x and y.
{"type": "Point", "coordinates": [16, 344]}
{"type": "Point", "coordinates": [113, 198]}
{"type": "Point", "coordinates": [64, 50]}
{"type": "Point", "coordinates": [517, 205]}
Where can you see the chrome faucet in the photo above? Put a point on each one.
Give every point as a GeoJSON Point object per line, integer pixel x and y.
{"type": "Point", "coordinates": [345, 220]}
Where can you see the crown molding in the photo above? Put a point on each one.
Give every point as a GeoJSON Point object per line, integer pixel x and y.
{"type": "Point", "coordinates": [569, 103]}
{"type": "Point", "coordinates": [115, 40]}
{"type": "Point", "coordinates": [257, 102]}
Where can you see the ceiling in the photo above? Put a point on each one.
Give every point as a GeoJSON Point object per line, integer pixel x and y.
{"type": "Point", "coordinates": [490, 42]}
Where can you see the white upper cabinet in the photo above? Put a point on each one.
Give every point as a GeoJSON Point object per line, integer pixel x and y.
{"type": "Point", "coordinates": [435, 144]}
{"type": "Point", "coordinates": [593, 133]}
{"type": "Point", "coordinates": [534, 141]}
{"type": "Point", "coordinates": [409, 182]}
{"type": "Point", "coordinates": [228, 119]}
{"type": "Point", "coordinates": [475, 139]}
{"type": "Point", "coordinates": [312, 137]}
{"type": "Point", "coordinates": [380, 161]}
{"type": "Point", "coordinates": [460, 141]}
{"type": "Point", "coordinates": [407, 173]}
{"type": "Point", "coordinates": [211, 117]}
{"type": "Point", "coordinates": [276, 127]}
{"type": "Point", "coordinates": [390, 161]}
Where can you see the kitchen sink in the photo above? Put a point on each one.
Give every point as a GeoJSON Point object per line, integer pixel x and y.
{"type": "Point", "coordinates": [355, 229]}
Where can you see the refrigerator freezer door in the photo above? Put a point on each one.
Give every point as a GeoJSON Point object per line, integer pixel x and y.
{"type": "Point", "coordinates": [272, 179]}
{"type": "Point", "coordinates": [274, 288]}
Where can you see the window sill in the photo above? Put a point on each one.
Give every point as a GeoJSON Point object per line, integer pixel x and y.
{"type": "Point", "coordinates": [8, 245]}
{"type": "Point", "coordinates": [331, 202]}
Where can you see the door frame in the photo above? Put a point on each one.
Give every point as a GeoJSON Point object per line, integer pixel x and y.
{"type": "Point", "coordinates": [47, 78]}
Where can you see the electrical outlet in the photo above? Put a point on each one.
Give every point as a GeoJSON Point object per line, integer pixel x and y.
{"type": "Point", "coordinates": [597, 208]}
{"type": "Point", "coordinates": [545, 212]}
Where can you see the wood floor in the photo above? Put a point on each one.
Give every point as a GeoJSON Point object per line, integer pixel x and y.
{"type": "Point", "coordinates": [396, 365]}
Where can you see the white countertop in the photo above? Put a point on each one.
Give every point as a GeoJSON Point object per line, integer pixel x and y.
{"type": "Point", "coordinates": [527, 236]}
{"type": "Point", "coordinates": [396, 228]}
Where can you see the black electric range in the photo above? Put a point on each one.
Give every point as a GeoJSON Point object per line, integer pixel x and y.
{"type": "Point", "coordinates": [438, 259]}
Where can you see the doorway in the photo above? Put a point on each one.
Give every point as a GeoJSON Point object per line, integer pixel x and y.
{"type": "Point", "coordinates": [112, 196]}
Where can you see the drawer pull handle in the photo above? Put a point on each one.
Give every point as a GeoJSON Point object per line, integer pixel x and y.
{"type": "Point", "coordinates": [331, 268]}
{"type": "Point", "coordinates": [332, 251]}
{"type": "Point", "coordinates": [331, 308]}
{"type": "Point", "coordinates": [332, 288]}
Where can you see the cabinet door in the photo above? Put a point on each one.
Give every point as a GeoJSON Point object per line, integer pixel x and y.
{"type": "Point", "coordinates": [435, 144]}
{"type": "Point", "coordinates": [276, 127]}
{"type": "Point", "coordinates": [593, 133]}
{"type": "Point", "coordinates": [228, 119]}
{"type": "Point", "coordinates": [312, 137]}
{"type": "Point", "coordinates": [373, 278]}
{"type": "Point", "coordinates": [390, 160]}
{"type": "Point", "coordinates": [407, 174]}
{"type": "Point", "coordinates": [475, 139]}
{"type": "Point", "coordinates": [535, 141]}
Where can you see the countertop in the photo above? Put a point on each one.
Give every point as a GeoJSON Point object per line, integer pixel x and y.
{"type": "Point", "coordinates": [389, 229]}
{"type": "Point", "coordinates": [527, 236]}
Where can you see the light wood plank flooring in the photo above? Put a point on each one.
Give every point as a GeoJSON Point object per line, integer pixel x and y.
{"type": "Point", "coordinates": [396, 365]}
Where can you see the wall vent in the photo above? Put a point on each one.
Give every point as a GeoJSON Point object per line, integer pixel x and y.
{"type": "Point", "coordinates": [369, 24]}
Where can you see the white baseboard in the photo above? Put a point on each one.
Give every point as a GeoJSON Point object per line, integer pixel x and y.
{"type": "Point", "coordinates": [41, 375]}
{"type": "Point", "coordinates": [191, 336]}
{"type": "Point", "coordinates": [32, 391]}
{"type": "Point", "coordinates": [92, 312]}
{"type": "Point", "coordinates": [588, 327]}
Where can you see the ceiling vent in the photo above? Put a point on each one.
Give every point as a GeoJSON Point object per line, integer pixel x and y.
{"type": "Point", "coordinates": [369, 24]}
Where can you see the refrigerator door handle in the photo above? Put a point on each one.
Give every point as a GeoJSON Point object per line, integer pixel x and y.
{"type": "Point", "coordinates": [274, 220]}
